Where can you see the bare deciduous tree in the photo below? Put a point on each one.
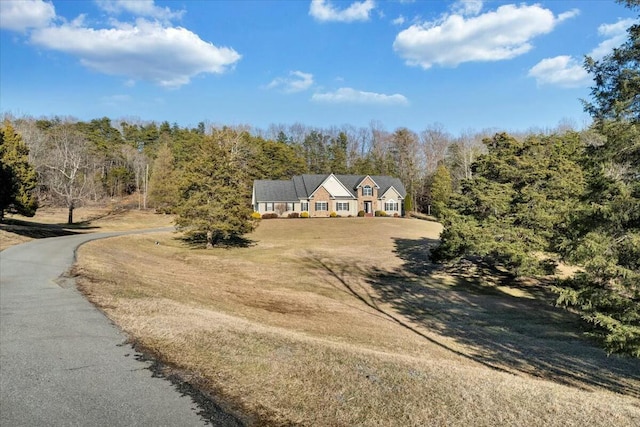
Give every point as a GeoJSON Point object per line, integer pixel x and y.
{"type": "Point", "coordinates": [435, 141]}
{"type": "Point", "coordinates": [66, 167]}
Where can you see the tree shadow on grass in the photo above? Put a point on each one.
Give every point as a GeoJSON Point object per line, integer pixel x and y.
{"type": "Point", "coordinates": [200, 242]}
{"type": "Point", "coordinates": [506, 324]}
{"type": "Point", "coordinates": [37, 230]}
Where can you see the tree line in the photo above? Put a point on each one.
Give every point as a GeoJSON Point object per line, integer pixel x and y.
{"type": "Point", "coordinates": [77, 162]}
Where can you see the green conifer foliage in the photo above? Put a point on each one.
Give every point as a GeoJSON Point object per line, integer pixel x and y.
{"type": "Point", "coordinates": [517, 204]}
{"type": "Point", "coordinates": [163, 190]}
{"type": "Point", "coordinates": [215, 191]}
{"type": "Point", "coordinates": [606, 234]}
{"type": "Point", "coordinates": [19, 178]}
{"type": "Point", "coordinates": [441, 189]}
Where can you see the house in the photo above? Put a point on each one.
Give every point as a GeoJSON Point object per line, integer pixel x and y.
{"type": "Point", "coordinates": [320, 195]}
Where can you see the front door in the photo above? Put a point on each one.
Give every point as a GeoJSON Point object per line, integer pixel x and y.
{"type": "Point", "coordinates": [367, 207]}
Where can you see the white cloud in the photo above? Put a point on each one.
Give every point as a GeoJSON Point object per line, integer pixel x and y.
{"type": "Point", "coordinates": [347, 95]}
{"type": "Point", "coordinates": [616, 35]}
{"type": "Point", "coordinates": [493, 36]}
{"type": "Point", "coordinates": [568, 15]}
{"type": "Point", "coordinates": [567, 71]}
{"type": "Point", "coordinates": [563, 71]}
{"type": "Point", "coordinates": [139, 8]}
{"type": "Point", "coordinates": [324, 11]}
{"type": "Point", "coordinates": [297, 81]}
{"type": "Point", "coordinates": [467, 7]}
{"type": "Point", "coordinates": [167, 56]}
{"type": "Point", "coordinates": [21, 15]}
{"type": "Point", "coordinates": [398, 21]}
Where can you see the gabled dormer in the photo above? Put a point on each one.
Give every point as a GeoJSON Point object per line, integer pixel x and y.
{"type": "Point", "coordinates": [334, 187]}
{"type": "Point", "coordinates": [391, 193]}
{"type": "Point", "coordinates": [367, 187]}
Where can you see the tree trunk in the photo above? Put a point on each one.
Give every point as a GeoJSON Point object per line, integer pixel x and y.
{"type": "Point", "coordinates": [70, 217]}
{"type": "Point", "coordinates": [209, 239]}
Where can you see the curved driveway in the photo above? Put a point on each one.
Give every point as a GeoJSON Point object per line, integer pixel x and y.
{"type": "Point", "coordinates": [63, 363]}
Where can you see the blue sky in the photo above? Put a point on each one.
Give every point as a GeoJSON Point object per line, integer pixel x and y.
{"type": "Point", "coordinates": [467, 65]}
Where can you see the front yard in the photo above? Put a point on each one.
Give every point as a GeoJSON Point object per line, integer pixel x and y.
{"type": "Point", "coordinates": [346, 322]}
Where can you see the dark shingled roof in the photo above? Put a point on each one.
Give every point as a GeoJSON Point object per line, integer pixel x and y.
{"type": "Point", "coordinates": [267, 190]}
{"type": "Point", "coordinates": [301, 186]}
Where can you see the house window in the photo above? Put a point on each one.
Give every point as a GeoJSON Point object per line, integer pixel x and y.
{"type": "Point", "coordinates": [268, 206]}
{"type": "Point", "coordinates": [290, 206]}
{"type": "Point", "coordinates": [391, 206]}
{"type": "Point", "coordinates": [304, 206]}
{"type": "Point", "coordinates": [322, 206]}
{"type": "Point", "coordinates": [367, 190]}
{"type": "Point", "coordinates": [342, 206]}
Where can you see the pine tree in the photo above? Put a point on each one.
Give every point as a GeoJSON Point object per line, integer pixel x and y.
{"type": "Point", "coordinates": [215, 189]}
{"type": "Point", "coordinates": [338, 154]}
{"type": "Point", "coordinates": [19, 178]}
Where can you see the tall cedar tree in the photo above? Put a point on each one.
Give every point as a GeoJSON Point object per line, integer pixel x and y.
{"type": "Point", "coordinates": [516, 205]}
{"type": "Point", "coordinates": [163, 191]}
{"type": "Point", "coordinates": [441, 189]}
{"type": "Point", "coordinates": [606, 238]}
{"type": "Point", "coordinates": [18, 177]}
{"type": "Point", "coordinates": [215, 191]}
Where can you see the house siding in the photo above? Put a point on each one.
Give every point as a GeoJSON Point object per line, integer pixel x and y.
{"type": "Point", "coordinates": [391, 194]}
{"type": "Point", "coordinates": [353, 205]}
{"type": "Point", "coordinates": [373, 198]}
{"type": "Point", "coordinates": [321, 195]}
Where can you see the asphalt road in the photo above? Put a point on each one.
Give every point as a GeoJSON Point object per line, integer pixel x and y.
{"type": "Point", "coordinates": [63, 363]}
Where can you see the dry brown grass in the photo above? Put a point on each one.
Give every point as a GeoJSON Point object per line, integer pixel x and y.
{"type": "Point", "coordinates": [345, 322]}
{"type": "Point", "coordinates": [51, 222]}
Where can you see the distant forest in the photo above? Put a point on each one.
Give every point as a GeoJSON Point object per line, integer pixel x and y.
{"type": "Point", "coordinates": [118, 155]}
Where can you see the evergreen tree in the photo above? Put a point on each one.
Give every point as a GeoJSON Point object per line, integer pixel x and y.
{"type": "Point", "coordinates": [515, 206]}
{"type": "Point", "coordinates": [273, 159]}
{"type": "Point", "coordinates": [215, 189]}
{"type": "Point", "coordinates": [441, 189]}
{"type": "Point", "coordinates": [338, 154]}
{"type": "Point", "coordinates": [18, 177]}
{"type": "Point", "coordinates": [315, 149]}
{"type": "Point", "coordinates": [163, 190]}
{"type": "Point", "coordinates": [606, 240]}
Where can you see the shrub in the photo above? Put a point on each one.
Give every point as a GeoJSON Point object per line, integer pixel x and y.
{"type": "Point", "coordinates": [269, 215]}
{"type": "Point", "coordinates": [333, 214]}
{"type": "Point", "coordinates": [304, 214]}
{"type": "Point", "coordinates": [380, 213]}
{"type": "Point", "coordinates": [294, 215]}
{"type": "Point", "coordinates": [256, 215]}
{"type": "Point", "coordinates": [395, 215]}
{"type": "Point", "coordinates": [360, 213]}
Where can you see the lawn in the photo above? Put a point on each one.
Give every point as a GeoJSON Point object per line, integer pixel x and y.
{"type": "Point", "coordinates": [51, 222]}
{"type": "Point", "coordinates": [341, 322]}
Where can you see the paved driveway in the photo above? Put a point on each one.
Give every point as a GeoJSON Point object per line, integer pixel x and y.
{"type": "Point", "coordinates": [63, 363]}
